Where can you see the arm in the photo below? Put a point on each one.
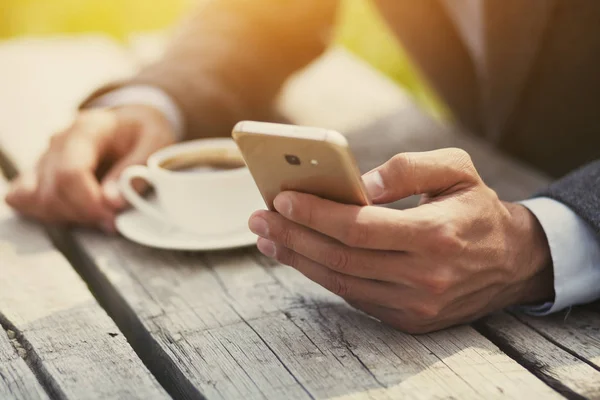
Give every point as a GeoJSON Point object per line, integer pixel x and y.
{"type": "Point", "coordinates": [227, 63]}
{"type": "Point", "coordinates": [231, 57]}
{"type": "Point", "coordinates": [580, 191]}
{"type": "Point", "coordinates": [569, 213]}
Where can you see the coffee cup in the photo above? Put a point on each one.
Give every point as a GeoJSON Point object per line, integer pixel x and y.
{"type": "Point", "coordinates": [201, 186]}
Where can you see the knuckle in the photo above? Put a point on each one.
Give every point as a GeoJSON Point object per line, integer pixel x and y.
{"type": "Point", "coordinates": [287, 237]}
{"type": "Point", "coordinates": [338, 259]}
{"type": "Point", "coordinates": [439, 283]}
{"type": "Point", "coordinates": [286, 257]}
{"type": "Point", "coordinates": [426, 310]}
{"type": "Point", "coordinates": [463, 161]}
{"type": "Point", "coordinates": [400, 160]}
{"type": "Point", "coordinates": [47, 203]}
{"type": "Point", "coordinates": [491, 194]}
{"type": "Point", "coordinates": [309, 212]}
{"type": "Point", "coordinates": [67, 177]}
{"type": "Point", "coordinates": [405, 165]}
{"type": "Point", "coordinates": [338, 285]}
{"type": "Point", "coordinates": [356, 235]}
{"type": "Point", "coordinates": [447, 240]}
{"type": "Point", "coordinates": [56, 139]}
{"type": "Point", "coordinates": [460, 155]}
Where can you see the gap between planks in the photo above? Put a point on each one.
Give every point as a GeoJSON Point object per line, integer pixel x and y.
{"type": "Point", "coordinates": [59, 330]}
{"type": "Point", "coordinates": [93, 265]}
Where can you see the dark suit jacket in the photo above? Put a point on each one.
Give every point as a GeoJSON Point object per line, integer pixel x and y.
{"type": "Point", "coordinates": [530, 81]}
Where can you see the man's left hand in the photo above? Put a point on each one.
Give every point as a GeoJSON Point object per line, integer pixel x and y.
{"type": "Point", "coordinates": [461, 254]}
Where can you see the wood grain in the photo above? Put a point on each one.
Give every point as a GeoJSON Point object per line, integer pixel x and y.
{"type": "Point", "coordinates": [576, 331]}
{"type": "Point", "coordinates": [230, 325]}
{"type": "Point", "coordinates": [220, 315]}
{"type": "Point", "coordinates": [17, 381]}
{"type": "Point", "coordinates": [565, 370]}
{"type": "Point", "coordinates": [566, 349]}
{"type": "Point", "coordinates": [58, 332]}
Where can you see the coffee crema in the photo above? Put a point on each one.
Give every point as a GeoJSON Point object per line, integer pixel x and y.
{"type": "Point", "coordinates": [208, 160]}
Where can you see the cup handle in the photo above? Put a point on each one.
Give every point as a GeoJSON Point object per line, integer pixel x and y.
{"type": "Point", "coordinates": [133, 197]}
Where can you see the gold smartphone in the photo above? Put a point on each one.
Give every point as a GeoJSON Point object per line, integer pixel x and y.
{"type": "Point", "coordinates": [303, 159]}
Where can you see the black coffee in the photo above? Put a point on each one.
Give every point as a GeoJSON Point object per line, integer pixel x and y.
{"type": "Point", "coordinates": [204, 161]}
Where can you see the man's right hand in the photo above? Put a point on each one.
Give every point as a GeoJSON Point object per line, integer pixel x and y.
{"type": "Point", "coordinates": [75, 181]}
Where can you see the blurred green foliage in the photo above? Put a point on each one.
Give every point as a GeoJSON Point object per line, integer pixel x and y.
{"type": "Point", "coordinates": [360, 29]}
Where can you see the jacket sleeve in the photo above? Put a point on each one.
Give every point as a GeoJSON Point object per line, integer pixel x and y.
{"type": "Point", "coordinates": [580, 191]}
{"type": "Point", "coordinates": [229, 59]}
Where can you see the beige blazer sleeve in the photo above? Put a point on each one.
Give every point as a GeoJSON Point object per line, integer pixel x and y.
{"type": "Point", "coordinates": [229, 59]}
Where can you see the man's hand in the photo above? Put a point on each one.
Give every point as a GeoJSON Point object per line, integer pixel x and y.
{"type": "Point", "coordinates": [462, 253]}
{"type": "Point", "coordinates": [76, 179]}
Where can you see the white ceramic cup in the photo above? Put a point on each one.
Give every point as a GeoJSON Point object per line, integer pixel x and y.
{"type": "Point", "coordinates": [206, 202]}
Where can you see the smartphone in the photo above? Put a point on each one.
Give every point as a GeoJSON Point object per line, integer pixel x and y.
{"type": "Point", "coordinates": [304, 159]}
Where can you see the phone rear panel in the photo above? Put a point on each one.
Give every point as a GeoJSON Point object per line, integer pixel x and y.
{"type": "Point", "coordinates": [308, 160]}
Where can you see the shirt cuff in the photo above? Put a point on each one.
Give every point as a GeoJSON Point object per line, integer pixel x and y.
{"type": "Point", "coordinates": [575, 252]}
{"type": "Point", "coordinates": [145, 95]}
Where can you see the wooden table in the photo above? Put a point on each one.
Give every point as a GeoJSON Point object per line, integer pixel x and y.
{"type": "Point", "coordinates": [90, 316]}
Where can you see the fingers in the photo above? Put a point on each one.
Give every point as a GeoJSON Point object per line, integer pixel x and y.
{"type": "Point", "coordinates": [348, 287]}
{"type": "Point", "coordinates": [65, 187]}
{"type": "Point", "coordinates": [363, 227]}
{"type": "Point", "coordinates": [430, 172]}
{"type": "Point", "coordinates": [110, 187]}
{"type": "Point", "coordinates": [395, 267]}
{"type": "Point", "coordinates": [29, 197]}
{"type": "Point", "coordinates": [22, 196]}
{"type": "Point", "coordinates": [136, 150]}
{"type": "Point", "coordinates": [67, 173]}
{"type": "Point", "coordinates": [25, 197]}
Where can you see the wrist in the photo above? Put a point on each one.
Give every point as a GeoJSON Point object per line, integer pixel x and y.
{"type": "Point", "coordinates": [146, 119]}
{"type": "Point", "coordinates": [532, 258]}
{"type": "Point", "coordinates": [143, 96]}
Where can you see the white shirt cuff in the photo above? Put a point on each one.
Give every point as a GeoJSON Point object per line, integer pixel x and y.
{"type": "Point", "coordinates": [145, 95]}
{"type": "Point", "coordinates": [575, 251]}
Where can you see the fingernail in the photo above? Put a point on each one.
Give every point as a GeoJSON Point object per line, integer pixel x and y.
{"type": "Point", "coordinates": [283, 204]}
{"type": "Point", "coordinates": [112, 193]}
{"type": "Point", "coordinates": [374, 184]}
{"type": "Point", "coordinates": [259, 226]}
{"type": "Point", "coordinates": [266, 247]}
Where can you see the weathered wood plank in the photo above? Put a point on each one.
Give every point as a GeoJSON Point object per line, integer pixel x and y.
{"type": "Point", "coordinates": [216, 317]}
{"type": "Point", "coordinates": [574, 337]}
{"type": "Point", "coordinates": [560, 368]}
{"type": "Point", "coordinates": [70, 343]}
{"type": "Point", "coordinates": [77, 348]}
{"type": "Point", "coordinates": [222, 314]}
{"type": "Point", "coordinates": [458, 357]}
{"type": "Point", "coordinates": [17, 381]}
{"type": "Point", "coordinates": [577, 331]}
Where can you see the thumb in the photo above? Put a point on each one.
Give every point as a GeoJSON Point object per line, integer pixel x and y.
{"type": "Point", "coordinates": [431, 172]}
{"type": "Point", "coordinates": [110, 182]}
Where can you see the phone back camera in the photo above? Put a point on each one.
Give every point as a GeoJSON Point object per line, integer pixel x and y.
{"type": "Point", "coordinates": [292, 159]}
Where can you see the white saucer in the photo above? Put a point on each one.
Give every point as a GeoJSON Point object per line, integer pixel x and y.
{"type": "Point", "coordinates": [150, 232]}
